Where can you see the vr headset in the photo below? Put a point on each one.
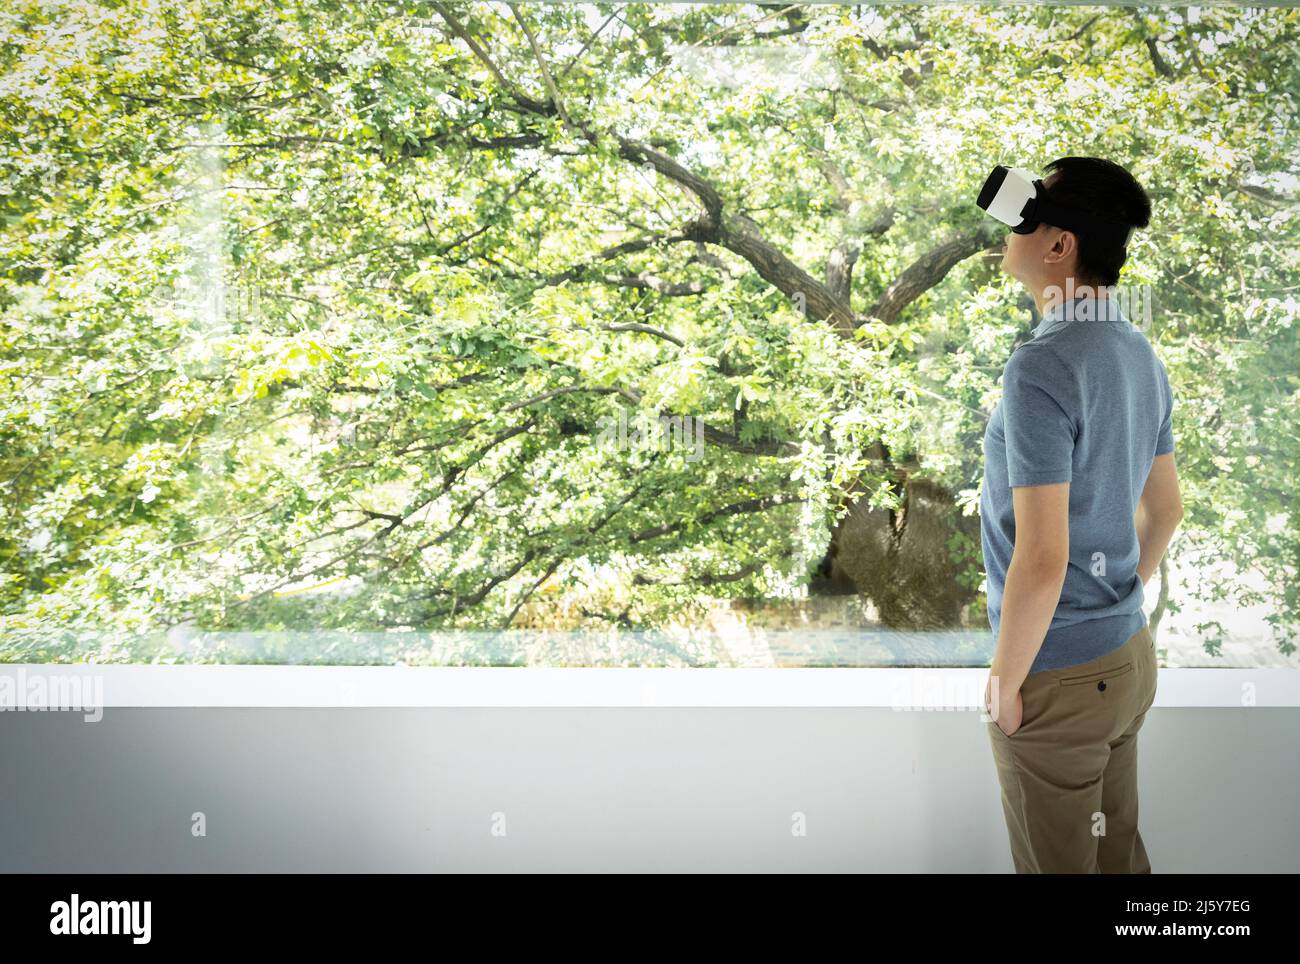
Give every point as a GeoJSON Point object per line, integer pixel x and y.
{"type": "Point", "coordinates": [1019, 200]}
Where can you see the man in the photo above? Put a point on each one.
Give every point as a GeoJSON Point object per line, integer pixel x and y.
{"type": "Point", "coordinates": [1080, 501]}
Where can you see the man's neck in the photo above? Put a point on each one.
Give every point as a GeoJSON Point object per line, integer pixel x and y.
{"type": "Point", "coordinates": [1054, 295]}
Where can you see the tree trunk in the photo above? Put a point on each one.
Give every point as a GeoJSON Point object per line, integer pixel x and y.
{"type": "Point", "coordinates": [900, 561]}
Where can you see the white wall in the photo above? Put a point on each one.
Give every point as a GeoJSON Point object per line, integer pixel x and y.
{"type": "Point", "coordinates": [598, 789]}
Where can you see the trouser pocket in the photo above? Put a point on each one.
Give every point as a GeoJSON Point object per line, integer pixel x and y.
{"type": "Point", "coordinates": [1100, 679]}
{"type": "Point", "coordinates": [1101, 705]}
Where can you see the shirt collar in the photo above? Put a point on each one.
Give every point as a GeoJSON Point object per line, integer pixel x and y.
{"type": "Point", "coordinates": [1081, 308]}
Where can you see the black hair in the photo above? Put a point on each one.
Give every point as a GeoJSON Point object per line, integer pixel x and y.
{"type": "Point", "coordinates": [1105, 190]}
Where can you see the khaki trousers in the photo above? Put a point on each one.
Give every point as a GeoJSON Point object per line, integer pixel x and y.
{"type": "Point", "coordinates": [1069, 773]}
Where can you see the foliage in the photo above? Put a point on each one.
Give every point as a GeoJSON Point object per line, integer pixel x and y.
{"type": "Point", "coordinates": [321, 293]}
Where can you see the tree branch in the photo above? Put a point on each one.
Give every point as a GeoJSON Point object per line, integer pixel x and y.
{"type": "Point", "coordinates": [928, 270]}
{"type": "Point", "coordinates": [736, 508]}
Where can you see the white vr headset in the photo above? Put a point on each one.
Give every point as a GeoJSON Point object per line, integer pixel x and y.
{"type": "Point", "coordinates": [1019, 200]}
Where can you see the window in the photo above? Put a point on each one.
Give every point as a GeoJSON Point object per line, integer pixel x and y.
{"type": "Point", "coordinates": [602, 334]}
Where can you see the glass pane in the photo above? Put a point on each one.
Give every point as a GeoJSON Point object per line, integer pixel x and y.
{"type": "Point", "coordinates": [604, 334]}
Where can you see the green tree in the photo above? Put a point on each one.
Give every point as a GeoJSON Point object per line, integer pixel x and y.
{"type": "Point", "coordinates": [351, 291]}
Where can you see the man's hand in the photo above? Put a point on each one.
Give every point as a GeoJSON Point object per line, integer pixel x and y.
{"type": "Point", "coordinates": [1010, 710]}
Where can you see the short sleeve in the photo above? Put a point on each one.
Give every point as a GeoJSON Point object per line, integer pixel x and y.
{"type": "Point", "coordinates": [1039, 402]}
{"type": "Point", "coordinates": [1165, 435]}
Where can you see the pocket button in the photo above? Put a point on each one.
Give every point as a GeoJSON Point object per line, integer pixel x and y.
{"type": "Point", "coordinates": [1101, 685]}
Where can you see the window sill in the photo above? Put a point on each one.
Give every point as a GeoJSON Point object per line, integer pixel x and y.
{"type": "Point", "coordinates": [402, 686]}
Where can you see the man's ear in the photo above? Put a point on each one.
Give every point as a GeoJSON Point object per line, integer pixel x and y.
{"type": "Point", "coordinates": [1063, 248]}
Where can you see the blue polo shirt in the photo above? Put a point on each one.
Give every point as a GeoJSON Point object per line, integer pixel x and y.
{"type": "Point", "coordinates": [1085, 401]}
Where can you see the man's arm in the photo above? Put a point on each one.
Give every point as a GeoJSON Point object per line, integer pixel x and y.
{"type": "Point", "coordinates": [1160, 509]}
{"type": "Point", "coordinates": [1034, 581]}
{"type": "Point", "coordinates": [1040, 396]}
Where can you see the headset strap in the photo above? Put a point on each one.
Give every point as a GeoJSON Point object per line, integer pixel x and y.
{"type": "Point", "coordinates": [1043, 208]}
